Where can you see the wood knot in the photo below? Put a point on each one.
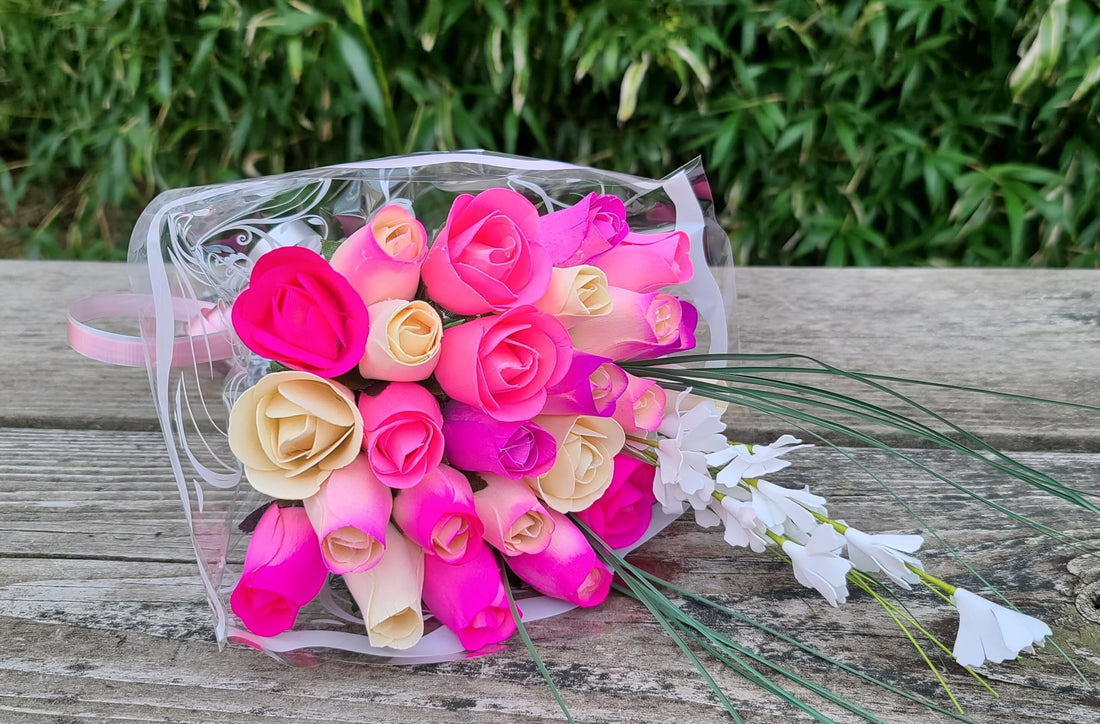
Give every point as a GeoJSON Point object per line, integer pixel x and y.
{"type": "Point", "coordinates": [1087, 568]}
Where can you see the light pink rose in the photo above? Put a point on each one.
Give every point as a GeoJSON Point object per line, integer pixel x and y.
{"type": "Point", "coordinates": [515, 521]}
{"type": "Point", "coordinates": [488, 257]}
{"type": "Point", "coordinates": [568, 569]}
{"type": "Point", "coordinates": [589, 227]}
{"type": "Point", "coordinates": [502, 364]}
{"type": "Point", "coordinates": [402, 433]}
{"type": "Point", "coordinates": [283, 571]}
{"type": "Point", "coordinates": [469, 599]}
{"type": "Point", "coordinates": [623, 513]}
{"type": "Point", "coordinates": [647, 262]}
{"type": "Point", "coordinates": [297, 310]}
{"type": "Point", "coordinates": [640, 326]}
{"type": "Point", "coordinates": [438, 514]}
{"type": "Point", "coordinates": [404, 341]}
{"type": "Point", "coordinates": [642, 406]}
{"type": "Point", "coordinates": [349, 514]}
{"type": "Point", "coordinates": [382, 259]}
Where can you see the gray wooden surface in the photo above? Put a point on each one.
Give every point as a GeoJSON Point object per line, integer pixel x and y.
{"type": "Point", "coordinates": [102, 616]}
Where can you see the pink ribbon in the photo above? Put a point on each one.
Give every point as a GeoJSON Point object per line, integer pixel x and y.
{"type": "Point", "coordinates": [207, 338]}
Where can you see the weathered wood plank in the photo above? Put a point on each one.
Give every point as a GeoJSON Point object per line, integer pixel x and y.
{"type": "Point", "coordinates": [72, 585]}
{"type": "Point", "coordinates": [1034, 332]}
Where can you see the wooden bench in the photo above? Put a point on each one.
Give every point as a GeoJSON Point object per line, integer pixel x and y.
{"type": "Point", "coordinates": [102, 616]}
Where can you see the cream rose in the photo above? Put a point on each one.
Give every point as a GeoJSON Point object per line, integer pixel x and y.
{"type": "Point", "coordinates": [291, 430]}
{"type": "Point", "coordinates": [388, 595]}
{"type": "Point", "coordinates": [404, 341]}
{"type": "Point", "coordinates": [576, 292]}
{"type": "Point", "coordinates": [587, 446]}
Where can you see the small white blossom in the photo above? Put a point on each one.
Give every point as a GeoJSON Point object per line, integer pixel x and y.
{"type": "Point", "coordinates": [888, 554]}
{"type": "Point", "coordinates": [819, 565]}
{"type": "Point", "coordinates": [745, 462]}
{"type": "Point", "coordinates": [776, 506]}
{"type": "Point", "coordinates": [687, 436]}
{"type": "Point", "coordinates": [991, 632]}
{"type": "Point", "coordinates": [743, 528]}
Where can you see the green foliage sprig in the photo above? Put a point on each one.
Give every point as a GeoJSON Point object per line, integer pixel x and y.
{"type": "Point", "coordinates": [886, 132]}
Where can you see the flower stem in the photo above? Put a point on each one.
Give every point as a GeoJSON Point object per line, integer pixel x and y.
{"type": "Point", "coordinates": [641, 440]}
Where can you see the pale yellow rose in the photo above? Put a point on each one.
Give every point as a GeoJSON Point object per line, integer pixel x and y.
{"type": "Point", "coordinates": [587, 446]}
{"type": "Point", "coordinates": [404, 341]}
{"type": "Point", "coordinates": [291, 430]}
{"type": "Point", "coordinates": [576, 292]}
{"type": "Point", "coordinates": [388, 595]}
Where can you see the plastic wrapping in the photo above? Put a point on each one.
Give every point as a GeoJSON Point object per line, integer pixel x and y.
{"type": "Point", "coordinates": [200, 244]}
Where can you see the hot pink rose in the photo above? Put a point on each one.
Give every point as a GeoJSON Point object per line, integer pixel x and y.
{"type": "Point", "coordinates": [592, 387]}
{"type": "Point", "coordinates": [438, 514]}
{"type": "Point", "coordinates": [299, 311]}
{"type": "Point", "coordinates": [382, 259]}
{"type": "Point", "coordinates": [283, 571]}
{"type": "Point", "coordinates": [488, 257]}
{"type": "Point", "coordinates": [515, 521]}
{"type": "Point", "coordinates": [647, 262]}
{"type": "Point", "coordinates": [589, 227]}
{"type": "Point", "coordinates": [568, 569]}
{"type": "Point", "coordinates": [469, 599]}
{"type": "Point", "coordinates": [402, 432]}
{"type": "Point", "coordinates": [623, 513]}
{"type": "Point", "coordinates": [642, 406]}
{"type": "Point", "coordinates": [640, 326]}
{"type": "Point", "coordinates": [476, 442]}
{"type": "Point", "coordinates": [349, 514]}
{"type": "Point", "coordinates": [502, 364]}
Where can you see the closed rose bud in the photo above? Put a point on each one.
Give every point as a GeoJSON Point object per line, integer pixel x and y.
{"type": "Point", "coordinates": [382, 259]}
{"type": "Point", "coordinates": [388, 595]}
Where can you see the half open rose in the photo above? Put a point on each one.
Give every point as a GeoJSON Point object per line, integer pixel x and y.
{"type": "Point", "coordinates": [404, 341]}
{"type": "Point", "coordinates": [582, 471]}
{"type": "Point", "coordinates": [291, 430]}
{"type": "Point", "coordinates": [401, 432]}
{"type": "Point", "coordinates": [382, 259]}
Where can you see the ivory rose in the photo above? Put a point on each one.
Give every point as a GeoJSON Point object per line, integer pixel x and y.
{"type": "Point", "coordinates": [388, 595]}
{"type": "Point", "coordinates": [568, 569]}
{"type": "Point", "coordinates": [349, 514]}
{"type": "Point", "coordinates": [640, 326]}
{"type": "Point", "coordinates": [647, 262]}
{"type": "Point", "coordinates": [488, 257]}
{"type": "Point", "coordinates": [404, 341]}
{"type": "Point", "coordinates": [514, 519]}
{"type": "Point", "coordinates": [299, 311]}
{"type": "Point", "coordinates": [621, 515]}
{"type": "Point", "coordinates": [642, 406]}
{"type": "Point", "coordinates": [589, 227]}
{"type": "Point", "coordinates": [438, 514]}
{"type": "Point", "coordinates": [469, 599]}
{"type": "Point", "coordinates": [502, 364]}
{"type": "Point", "coordinates": [382, 259]}
{"type": "Point", "coordinates": [592, 386]}
{"type": "Point", "coordinates": [283, 571]}
{"type": "Point", "coordinates": [476, 442]}
{"type": "Point", "coordinates": [401, 432]}
{"type": "Point", "coordinates": [582, 472]}
{"type": "Point", "coordinates": [291, 430]}
{"type": "Point", "coordinates": [576, 292]}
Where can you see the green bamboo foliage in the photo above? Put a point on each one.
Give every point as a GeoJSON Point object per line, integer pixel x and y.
{"type": "Point", "coordinates": [885, 132]}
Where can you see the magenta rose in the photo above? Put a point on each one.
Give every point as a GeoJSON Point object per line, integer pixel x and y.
{"type": "Point", "coordinates": [622, 514]}
{"type": "Point", "coordinates": [438, 514]}
{"type": "Point", "coordinates": [283, 571]}
{"type": "Point", "coordinates": [647, 262]}
{"type": "Point", "coordinates": [469, 599]}
{"type": "Point", "coordinates": [382, 259]}
{"type": "Point", "coordinates": [487, 257]}
{"type": "Point", "coordinates": [592, 386]}
{"type": "Point", "coordinates": [402, 432]}
{"type": "Point", "coordinates": [640, 326]}
{"type": "Point", "coordinates": [299, 311]}
{"type": "Point", "coordinates": [476, 442]}
{"type": "Point", "coordinates": [567, 569]}
{"type": "Point", "coordinates": [502, 364]}
{"type": "Point", "coordinates": [589, 227]}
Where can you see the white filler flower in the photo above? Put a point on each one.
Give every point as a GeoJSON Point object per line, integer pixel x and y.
{"type": "Point", "coordinates": [745, 462]}
{"type": "Point", "coordinates": [686, 437]}
{"type": "Point", "coordinates": [991, 632]}
{"type": "Point", "coordinates": [776, 506]}
{"type": "Point", "coordinates": [886, 553]}
{"type": "Point", "coordinates": [818, 564]}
